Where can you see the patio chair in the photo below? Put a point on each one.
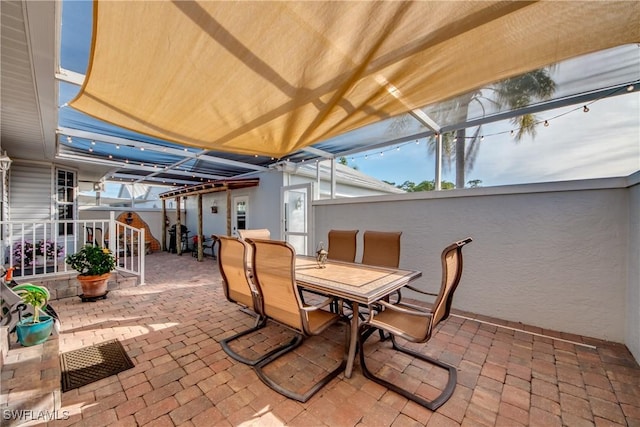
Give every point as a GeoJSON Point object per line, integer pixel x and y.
{"type": "Point", "coordinates": [94, 236]}
{"type": "Point", "coordinates": [274, 270]}
{"type": "Point", "coordinates": [382, 248]}
{"type": "Point", "coordinates": [256, 233]}
{"type": "Point", "coordinates": [415, 324]}
{"type": "Point", "coordinates": [238, 289]}
{"type": "Point", "coordinates": [342, 245]}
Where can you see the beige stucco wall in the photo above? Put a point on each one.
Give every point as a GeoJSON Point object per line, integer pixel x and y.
{"type": "Point", "coordinates": [551, 255]}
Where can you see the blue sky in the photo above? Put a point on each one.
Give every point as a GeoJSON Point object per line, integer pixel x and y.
{"type": "Point", "coordinates": [604, 142]}
{"type": "Point", "coordinates": [576, 145]}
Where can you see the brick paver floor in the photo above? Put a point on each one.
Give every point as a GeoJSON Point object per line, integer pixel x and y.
{"type": "Point", "coordinates": [171, 327]}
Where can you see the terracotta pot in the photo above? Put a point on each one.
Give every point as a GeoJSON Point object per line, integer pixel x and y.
{"type": "Point", "coordinates": [94, 286]}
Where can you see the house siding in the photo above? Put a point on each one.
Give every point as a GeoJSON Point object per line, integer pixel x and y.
{"type": "Point", "coordinates": [30, 191]}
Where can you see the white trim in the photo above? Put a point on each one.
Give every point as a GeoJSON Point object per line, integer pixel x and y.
{"type": "Point", "coordinates": [544, 187]}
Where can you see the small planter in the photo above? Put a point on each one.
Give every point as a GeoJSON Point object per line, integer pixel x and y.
{"type": "Point", "coordinates": [30, 333]}
{"type": "Point", "coordinates": [94, 286]}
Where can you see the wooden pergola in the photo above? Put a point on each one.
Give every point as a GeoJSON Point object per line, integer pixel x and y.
{"type": "Point", "coordinates": [198, 190]}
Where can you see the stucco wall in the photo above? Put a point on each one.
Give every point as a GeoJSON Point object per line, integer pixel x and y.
{"type": "Point", "coordinates": [633, 292]}
{"type": "Point", "coordinates": [550, 255]}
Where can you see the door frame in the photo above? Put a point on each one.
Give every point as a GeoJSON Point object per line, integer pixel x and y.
{"type": "Point", "coordinates": [234, 216]}
{"type": "Point", "coordinates": [309, 220]}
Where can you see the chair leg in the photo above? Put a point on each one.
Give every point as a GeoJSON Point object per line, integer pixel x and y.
{"type": "Point", "coordinates": [260, 323]}
{"type": "Point", "coordinates": [300, 397]}
{"type": "Point", "coordinates": [365, 333]}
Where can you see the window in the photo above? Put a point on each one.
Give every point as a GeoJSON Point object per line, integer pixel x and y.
{"type": "Point", "coordinates": [65, 201]}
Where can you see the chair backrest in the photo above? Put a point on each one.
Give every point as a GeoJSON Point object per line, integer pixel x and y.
{"type": "Point", "coordinates": [342, 245]}
{"type": "Point", "coordinates": [274, 274]}
{"type": "Point", "coordinates": [232, 259]}
{"type": "Point", "coordinates": [257, 233]}
{"type": "Point", "coordinates": [382, 248]}
{"type": "Point", "coordinates": [451, 274]}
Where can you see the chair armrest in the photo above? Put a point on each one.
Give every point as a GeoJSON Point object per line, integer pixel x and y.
{"type": "Point", "coordinates": [420, 291]}
{"type": "Point", "coordinates": [407, 309]}
{"type": "Point", "coordinates": [319, 306]}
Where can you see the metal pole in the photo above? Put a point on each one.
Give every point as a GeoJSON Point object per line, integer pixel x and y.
{"type": "Point", "coordinates": [438, 179]}
{"type": "Point", "coordinates": [333, 178]}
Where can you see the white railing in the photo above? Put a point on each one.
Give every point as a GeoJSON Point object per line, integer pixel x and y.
{"type": "Point", "coordinates": [36, 249]}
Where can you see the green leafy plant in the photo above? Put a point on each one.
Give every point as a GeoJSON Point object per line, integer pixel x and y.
{"type": "Point", "coordinates": [92, 261]}
{"type": "Point", "coordinates": [36, 298]}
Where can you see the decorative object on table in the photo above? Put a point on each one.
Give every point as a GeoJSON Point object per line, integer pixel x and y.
{"type": "Point", "coordinates": [35, 329]}
{"type": "Point", "coordinates": [89, 364]}
{"type": "Point", "coordinates": [95, 265]}
{"type": "Point", "coordinates": [321, 255]}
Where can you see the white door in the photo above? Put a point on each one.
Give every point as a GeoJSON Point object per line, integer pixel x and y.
{"type": "Point", "coordinates": [297, 217]}
{"type": "Point", "coordinates": [239, 214]}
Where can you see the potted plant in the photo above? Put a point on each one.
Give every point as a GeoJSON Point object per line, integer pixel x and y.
{"type": "Point", "coordinates": [95, 265]}
{"type": "Point", "coordinates": [23, 253]}
{"type": "Point", "coordinates": [34, 329]}
{"type": "Point", "coordinates": [49, 250]}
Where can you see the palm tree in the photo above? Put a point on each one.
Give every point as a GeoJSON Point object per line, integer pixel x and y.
{"type": "Point", "coordinates": [517, 92]}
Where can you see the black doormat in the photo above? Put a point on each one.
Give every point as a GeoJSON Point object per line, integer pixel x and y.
{"type": "Point", "coordinates": [86, 365]}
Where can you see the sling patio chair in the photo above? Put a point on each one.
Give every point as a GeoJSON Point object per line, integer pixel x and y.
{"type": "Point", "coordinates": [342, 245]}
{"type": "Point", "coordinates": [274, 272]}
{"type": "Point", "coordinates": [415, 324]}
{"type": "Point", "coordinates": [381, 248]}
{"type": "Point", "coordinates": [238, 288]}
{"type": "Point", "coordinates": [253, 233]}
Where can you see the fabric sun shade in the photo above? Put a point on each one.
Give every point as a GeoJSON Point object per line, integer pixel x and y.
{"type": "Point", "coordinates": [270, 78]}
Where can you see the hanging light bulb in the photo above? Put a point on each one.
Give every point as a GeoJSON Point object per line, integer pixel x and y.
{"type": "Point", "coordinates": [630, 88]}
{"type": "Point", "coordinates": [481, 137]}
{"type": "Point", "coordinates": [585, 109]}
{"type": "Point", "coordinates": [110, 156]}
{"type": "Point", "coordinates": [141, 148]}
{"type": "Point", "coordinates": [69, 140]}
{"type": "Point", "coordinates": [511, 132]}
{"type": "Point", "coordinates": [546, 123]}
{"type": "Point", "coordinates": [91, 150]}
{"type": "Point", "coordinates": [117, 146]}
{"type": "Point", "coordinates": [93, 142]}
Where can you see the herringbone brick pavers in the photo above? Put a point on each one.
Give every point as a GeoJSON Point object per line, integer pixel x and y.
{"type": "Point", "coordinates": [171, 327]}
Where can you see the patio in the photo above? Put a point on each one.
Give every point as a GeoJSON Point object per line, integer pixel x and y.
{"type": "Point", "coordinates": [171, 327]}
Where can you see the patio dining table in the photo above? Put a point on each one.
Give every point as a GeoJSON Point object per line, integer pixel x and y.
{"type": "Point", "coordinates": [355, 283]}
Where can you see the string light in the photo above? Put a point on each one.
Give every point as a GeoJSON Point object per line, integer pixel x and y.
{"type": "Point", "coordinates": [546, 123]}
{"type": "Point", "coordinates": [117, 146]}
{"type": "Point", "coordinates": [630, 88]}
{"type": "Point", "coordinates": [69, 140]}
{"type": "Point", "coordinates": [141, 148]}
{"type": "Point", "coordinates": [585, 109]}
{"type": "Point", "coordinates": [93, 142]}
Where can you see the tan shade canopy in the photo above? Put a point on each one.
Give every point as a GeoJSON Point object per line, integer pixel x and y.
{"type": "Point", "coordinates": [270, 78]}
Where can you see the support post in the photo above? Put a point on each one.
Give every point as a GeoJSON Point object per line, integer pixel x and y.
{"type": "Point", "coordinates": [164, 225]}
{"type": "Point", "coordinates": [178, 228]}
{"type": "Point", "coordinates": [438, 179]}
{"type": "Point", "coordinates": [200, 236]}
